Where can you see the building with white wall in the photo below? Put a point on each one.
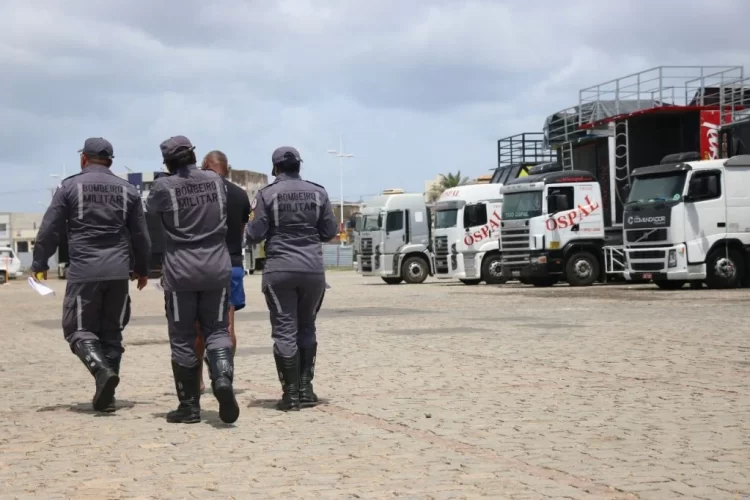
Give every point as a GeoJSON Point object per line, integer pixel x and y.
{"type": "Point", "coordinates": [5, 229]}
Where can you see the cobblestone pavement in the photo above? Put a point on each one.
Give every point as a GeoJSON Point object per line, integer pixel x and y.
{"type": "Point", "coordinates": [435, 391]}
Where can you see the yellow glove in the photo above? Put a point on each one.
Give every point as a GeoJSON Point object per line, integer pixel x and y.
{"type": "Point", "coordinates": [39, 276]}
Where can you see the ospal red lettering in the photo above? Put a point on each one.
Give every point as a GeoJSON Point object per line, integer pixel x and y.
{"type": "Point", "coordinates": [551, 224]}
{"type": "Point", "coordinates": [468, 240]}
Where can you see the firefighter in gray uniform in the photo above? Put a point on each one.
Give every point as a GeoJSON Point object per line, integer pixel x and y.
{"type": "Point", "coordinates": [294, 217]}
{"type": "Point", "coordinates": [106, 230]}
{"type": "Point", "coordinates": [196, 277]}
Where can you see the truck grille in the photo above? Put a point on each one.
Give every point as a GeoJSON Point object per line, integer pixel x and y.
{"type": "Point", "coordinates": [646, 236]}
{"type": "Point", "coordinates": [647, 260]}
{"type": "Point", "coordinates": [366, 246]}
{"type": "Point", "coordinates": [514, 245]}
{"type": "Point", "coordinates": [441, 245]}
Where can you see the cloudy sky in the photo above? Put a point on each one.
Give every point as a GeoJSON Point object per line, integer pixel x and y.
{"type": "Point", "coordinates": [417, 87]}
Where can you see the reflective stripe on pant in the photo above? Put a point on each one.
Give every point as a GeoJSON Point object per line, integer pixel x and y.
{"type": "Point", "coordinates": [293, 299]}
{"type": "Point", "coordinates": [210, 309]}
{"type": "Point", "coordinates": [99, 310]}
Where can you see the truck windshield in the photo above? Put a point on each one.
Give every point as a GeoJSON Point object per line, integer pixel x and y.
{"type": "Point", "coordinates": [371, 222]}
{"type": "Point", "coordinates": [522, 205]}
{"type": "Point", "coordinates": [446, 218]}
{"type": "Point", "coordinates": [657, 187]}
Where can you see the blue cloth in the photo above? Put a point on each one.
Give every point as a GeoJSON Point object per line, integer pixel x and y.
{"type": "Point", "coordinates": [237, 289]}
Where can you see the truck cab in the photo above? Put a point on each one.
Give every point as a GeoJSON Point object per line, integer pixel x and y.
{"type": "Point", "coordinates": [553, 229]}
{"type": "Point", "coordinates": [467, 224]}
{"type": "Point", "coordinates": [688, 220]}
{"type": "Point", "coordinates": [394, 242]}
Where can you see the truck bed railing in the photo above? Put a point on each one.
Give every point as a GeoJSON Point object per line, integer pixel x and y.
{"type": "Point", "coordinates": [615, 260]}
{"type": "Point", "coordinates": [663, 86]}
{"type": "Point", "coordinates": [526, 148]}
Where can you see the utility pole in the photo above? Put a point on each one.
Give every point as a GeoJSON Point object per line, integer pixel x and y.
{"type": "Point", "coordinates": [341, 155]}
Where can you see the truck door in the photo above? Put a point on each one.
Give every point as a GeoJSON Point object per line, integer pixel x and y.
{"type": "Point", "coordinates": [705, 213]}
{"type": "Point", "coordinates": [475, 225]}
{"type": "Point", "coordinates": [589, 221]}
{"type": "Point", "coordinates": [395, 236]}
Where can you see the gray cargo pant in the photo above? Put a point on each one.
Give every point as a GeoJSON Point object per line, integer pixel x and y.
{"type": "Point", "coordinates": [293, 300]}
{"type": "Point", "coordinates": [210, 308]}
{"type": "Point", "coordinates": [98, 310]}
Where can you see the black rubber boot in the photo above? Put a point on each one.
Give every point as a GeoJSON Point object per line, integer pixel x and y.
{"type": "Point", "coordinates": [114, 363]}
{"type": "Point", "coordinates": [221, 369]}
{"type": "Point", "coordinates": [306, 374]}
{"type": "Point", "coordinates": [90, 353]}
{"type": "Point", "coordinates": [188, 384]}
{"type": "Point", "coordinates": [288, 369]}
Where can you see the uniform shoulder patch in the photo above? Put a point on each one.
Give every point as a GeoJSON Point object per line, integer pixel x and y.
{"type": "Point", "coordinates": [254, 203]}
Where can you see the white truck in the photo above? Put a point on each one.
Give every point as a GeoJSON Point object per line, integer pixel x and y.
{"type": "Point", "coordinates": [688, 220]}
{"type": "Point", "coordinates": [465, 242]}
{"type": "Point", "coordinates": [394, 242]}
{"type": "Point", "coordinates": [553, 229]}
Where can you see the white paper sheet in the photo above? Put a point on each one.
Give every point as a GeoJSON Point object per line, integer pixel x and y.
{"type": "Point", "coordinates": [40, 288]}
{"type": "Point", "coordinates": [417, 216]}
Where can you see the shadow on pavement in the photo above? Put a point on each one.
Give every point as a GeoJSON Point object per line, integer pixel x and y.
{"type": "Point", "coordinates": [120, 404]}
{"type": "Point", "coordinates": [270, 404]}
{"type": "Point", "coordinates": [209, 417]}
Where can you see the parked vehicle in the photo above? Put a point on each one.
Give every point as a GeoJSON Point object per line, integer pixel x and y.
{"type": "Point", "coordinates": [687, 220]}
{"type": "Point", "coordinates": [466, 245]}
{"type": "Point", "coordinates": [395, 238]}
{"type": "Point", "coordinates": [10, 264]}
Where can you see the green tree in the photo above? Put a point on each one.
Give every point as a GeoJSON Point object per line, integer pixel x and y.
{"type": "Point", "coordinates": [447, 181]}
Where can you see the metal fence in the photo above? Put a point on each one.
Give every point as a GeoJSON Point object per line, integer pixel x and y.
{"type": "Point", "coordinates": [338, 256]}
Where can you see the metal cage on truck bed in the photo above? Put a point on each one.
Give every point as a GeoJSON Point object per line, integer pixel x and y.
{"type": "Point", "coordinates": [516, 153]}
{"type": "Point", "coordinates": [638, 119]}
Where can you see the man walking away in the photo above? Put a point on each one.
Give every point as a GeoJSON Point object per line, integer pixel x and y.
{"type": "Point", "coordinates": [294, 216]}
{"type": "Point", "coordinates": [104, 218]}
{"type": "Point", "coordinates": [238, 212]}
{"type": "Point", "coordinates": [196, 272]}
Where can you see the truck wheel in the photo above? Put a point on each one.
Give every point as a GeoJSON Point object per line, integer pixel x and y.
{"type": "Point", "coordinates": [582, 269]}
{"type": "Point", "coordinates": [492, 270]}
{"type": "Point", "coordinates": [470, 282]}
{"type": "Point", "coordinates": [392, 281]}
{"type": "Point", "coordinates": [669, 284]}
{"type": "Point", "coordinates": [724, 269]}
{"type": "Point", "coordinates": [544, 282]}
{"type": "Point", "coordinates": [414, 270]}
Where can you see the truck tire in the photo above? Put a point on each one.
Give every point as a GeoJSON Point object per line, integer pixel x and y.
{"type": "Point", "coordinates": [414, 270]}
{"type": "Point", "coordinates": [582, 269]}
{"type": "Point", "coordinates": [492, 270]}
{"type": "Point", "coordinates": [392, 281]}
{"type": "Point", "coordinates": [470, 282]}
{"type": "Point", "coordinates": [724, 268]}
{"type": "Point", "coordinates": [544, 282]}
{"type": "Point", "coordinates": [669, 284]}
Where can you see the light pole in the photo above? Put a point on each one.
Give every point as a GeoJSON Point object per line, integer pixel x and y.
{"type": "Point", "coordinates": [341, 155]}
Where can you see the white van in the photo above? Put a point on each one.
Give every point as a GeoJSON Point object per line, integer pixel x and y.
{"type": "Point", "coordinates": [9, 261]}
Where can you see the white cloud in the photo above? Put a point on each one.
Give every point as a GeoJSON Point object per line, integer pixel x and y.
{"type": "Point", "coordinates": [416, 87]}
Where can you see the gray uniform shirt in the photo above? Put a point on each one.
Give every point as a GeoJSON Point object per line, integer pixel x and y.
{"type": "Point", "coordinates": [294, 216]}
{"type": "Point", "coordinates": [103, 217]}
{"type": "Point", "coordinates": [193, 211]}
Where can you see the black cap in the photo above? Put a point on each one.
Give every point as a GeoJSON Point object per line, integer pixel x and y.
{"type": "Point", "coordinates": [174, 146]}
{"type": "Point", "coordinates": [97, 147]}
{"type": "Point", "coordinates": [285, 153]}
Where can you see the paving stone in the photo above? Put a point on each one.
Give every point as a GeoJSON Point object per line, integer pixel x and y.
{"type": "Point", "coordinates": [431, 391]}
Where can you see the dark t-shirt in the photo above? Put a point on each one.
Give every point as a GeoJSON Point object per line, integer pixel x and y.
{"type": "Point", "coordinates": [238, 213]}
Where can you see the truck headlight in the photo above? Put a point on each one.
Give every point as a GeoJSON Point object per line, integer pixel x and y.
{"type": "Point", "coordinates": [672, 259]}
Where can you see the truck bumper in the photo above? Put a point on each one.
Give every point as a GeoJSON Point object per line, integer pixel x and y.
{"type": "Point", "coordinates": [459, 266]}
{"type": "Point", "coordinates": [539, 265]}
{"type": "Point", "coordinates": [654, 264]}
{"type": "Point", "coordinates": [373, 265]}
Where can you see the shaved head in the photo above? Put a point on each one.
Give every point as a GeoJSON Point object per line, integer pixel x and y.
{"type": "Point", "coordinates": [217, 161]}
